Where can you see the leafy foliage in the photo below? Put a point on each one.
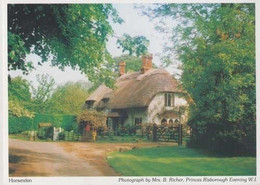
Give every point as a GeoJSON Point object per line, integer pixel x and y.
{"type": "Point", "coordinates": [69, 123]}
{"type": "Point", "coordinates": [75, 34]}
{"type": "Point", "coordinates": [137, 44]}
{"type": "Point", "coordinates": [45, 105]}
{"type": "Point", "coordinates": [19, 124]}
{"type": "Point", "coordinates": [17, 53]}
{"type": "Point", "coordinates": [16, 109]}
{"type": "Point", "coordinates": [93, 117]}
{"type": "Point", "coordinates": [216, 46]}
{"type": "Point", "coordinates": [42, 93]}
{"type": "Point", "coordinates": [72, 35]}
{"type": "Point", "coordinates": [24, 123]}
{"type": "Point", "coordinates": [19, 97]}
{"type": "Point", "coordinates": [69, 98]}
{"type": "Point", "coordinates": [19, 90]}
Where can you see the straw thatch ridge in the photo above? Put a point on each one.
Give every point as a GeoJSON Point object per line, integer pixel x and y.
{"type": "Point", "coordinates": [135, 89]}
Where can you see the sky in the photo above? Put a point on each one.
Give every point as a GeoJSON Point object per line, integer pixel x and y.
{"type": "Point", "coordinates": [135, 24]}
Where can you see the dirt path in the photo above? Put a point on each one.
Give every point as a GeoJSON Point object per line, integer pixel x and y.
{"type": "Point", "coordinates": [65, 158]}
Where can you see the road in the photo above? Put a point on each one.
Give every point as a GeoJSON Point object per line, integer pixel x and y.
{"type": "Point", "coordinates": [55, 159]}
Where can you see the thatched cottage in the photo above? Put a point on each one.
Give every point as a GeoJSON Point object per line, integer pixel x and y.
{"type": "Point", "coordinates": [147, 96]}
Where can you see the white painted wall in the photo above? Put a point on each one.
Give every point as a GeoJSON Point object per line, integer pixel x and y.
{"type": "Point", "coordinates": [157, 105]}
{"type": "Point", "coordinates": [149, 115]}
{"type": "Point", "coordinates": [179, 100]}
{"type": "Point", "coordinates": [136, 113]}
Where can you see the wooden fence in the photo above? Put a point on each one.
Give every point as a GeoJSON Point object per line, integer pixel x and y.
{"type": "Point", "coordinates": [151, 132]}
{"type": "Point", "coordinates": [71, 136]}
{"type": "Point", "coordinates": [163, 133]}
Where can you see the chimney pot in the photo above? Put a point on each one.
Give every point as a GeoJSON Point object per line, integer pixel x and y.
{"type": "Point", "coordinates": [122, 65]}
{"type": "Point", "coordinates": [146, 63]}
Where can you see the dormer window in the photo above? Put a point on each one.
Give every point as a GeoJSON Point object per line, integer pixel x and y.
{"type": "Point", "coordinates": [90, 104]}
{"type": "Point", "coordinates": [105, 101]}
{"type": "Point", "coordinates": [169, 99]}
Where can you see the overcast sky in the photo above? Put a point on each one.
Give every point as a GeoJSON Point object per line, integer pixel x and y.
{"type": "Point", "coordinates": [135, 24]}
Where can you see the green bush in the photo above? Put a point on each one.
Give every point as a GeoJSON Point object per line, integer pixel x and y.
{"type": "Point", "coordinates": [229, 139]}
{"type": "Point", "coordinates": [20, 124]}
{"type": "Point", "coordinates": [55, 120]}
{"type": "Point", "coordinates": [69, 122]}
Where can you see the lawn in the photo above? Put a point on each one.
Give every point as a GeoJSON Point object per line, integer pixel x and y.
{"type": "Point", "coordinates": [179, 161]}
{"type": "Point", "coordinates": [121, 139]}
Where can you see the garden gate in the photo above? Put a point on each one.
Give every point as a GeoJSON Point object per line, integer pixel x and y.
{"type": "Point", "coordinates": [164, 133]}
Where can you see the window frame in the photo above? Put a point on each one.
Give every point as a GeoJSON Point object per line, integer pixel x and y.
{"type": "Point", "coordinates": [138, 120]}
{"type": "Point", "coordinates": [169, 99]}
{"type": "Point", "coordinates": [90, 104]}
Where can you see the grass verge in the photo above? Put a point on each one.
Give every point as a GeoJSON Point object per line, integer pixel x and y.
{"type": "Point", "coordinates": [121, 139]}
{"type": "Point", "coordinates": [26, 138]}
{"type": "Point", "coordinates": [179, 161]}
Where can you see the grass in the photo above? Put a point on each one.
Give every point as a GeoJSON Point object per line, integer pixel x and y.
{"type": "Point", "coordinates": [179, 161]}
{"type": "Point", "coordinates": [18, 136]}
{"type": "Point", "coordinates": [120, 139]}
{"type": "Point", "coordinates": [106, 139]}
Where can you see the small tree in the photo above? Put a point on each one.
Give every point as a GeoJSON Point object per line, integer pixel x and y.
{"type": "Point", "coordinates": [94, 118]}
{"type": "Point", "coordinates": [16, 109]}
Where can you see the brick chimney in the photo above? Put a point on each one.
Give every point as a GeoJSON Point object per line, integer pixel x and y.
{"type": "Point", "coordinates": [146, 63]}
{"type": "Point", "coordinates": [121, 68]}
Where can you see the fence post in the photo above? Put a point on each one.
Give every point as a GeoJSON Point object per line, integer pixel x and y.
{"type": "Point", "coordinates": [154, 132]}
{"type": "Point", "coordinates": [180, 135]}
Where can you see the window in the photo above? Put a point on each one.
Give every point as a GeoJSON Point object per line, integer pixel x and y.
{"type": "Point", "coordinates": [105, 101]}
{"type": "Point", "coordinates": [90, 104]}
{"type": "Point", "coordinates": [138, 121]}
{"type": "Point", "coordinates": [164, 121]}
{"type": "Point", "coordinates": [169, 99]}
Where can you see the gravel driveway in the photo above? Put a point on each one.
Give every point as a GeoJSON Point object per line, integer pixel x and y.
{"type": "Point", "coordinates": [27, 158]}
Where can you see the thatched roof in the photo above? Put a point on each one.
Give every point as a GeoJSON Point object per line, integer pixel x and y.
{"type": "Point", "coordinates": [99, 93]}
{"type": "Point", "coordinates": [135, 89]}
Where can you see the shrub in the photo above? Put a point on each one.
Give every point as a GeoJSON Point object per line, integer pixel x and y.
{"type": "Point", "coordinates": [20, 124]}
{"type": "Point", "coordinates": [69, 122]}
{"type": "Point", "coordinates": [56, 120]}
{"type": "Point", "coordinates": [93, 117]}
{"type": "Point", "coordinates": [225, 138]}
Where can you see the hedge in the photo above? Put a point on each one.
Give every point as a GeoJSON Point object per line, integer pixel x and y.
{"type": "Point", "coordinates": [20, 124]}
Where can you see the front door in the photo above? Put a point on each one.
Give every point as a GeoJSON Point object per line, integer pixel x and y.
{"type": "Point", "coordinates": [115, 125]}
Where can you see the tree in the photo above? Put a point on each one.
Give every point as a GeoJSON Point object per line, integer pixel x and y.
{"type": "Point", "coordinates": [15, 108]}
{"type": "Point", "coordinates": [72, 35]}
{"type": "Point", "coordinates": [69, 98]}
{"type": "Point", "coordinates": [19, 90]}
{"type": "Point", "coordinates": [75, 34]}
{"type": "Point", "coordinates": [134, 45]}
{"type": "Point", "coordinates": [93, 117]}
{"type": "Point", "coordinates": [216, 46]}
{"type": "Point", "coordinates": [42, 93]}
{"type": "Point", "coordinates": [19, 97]}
